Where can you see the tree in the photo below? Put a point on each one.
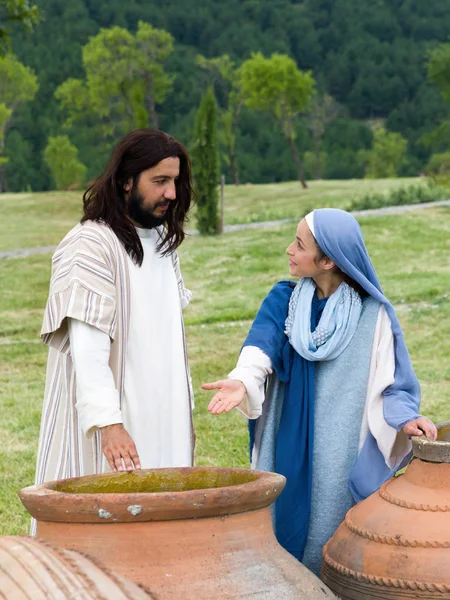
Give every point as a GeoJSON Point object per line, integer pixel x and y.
{"type": "Point", "coordinates": [223, 70]}
{"type": "Point", "coordinates": [439, 69]}
{"type": "Point", "coordinates": [205, 161]}
{"type": "Point", "coordinates": [276, 85]}
{"type": "Point", "coordinates": [368, 55]}
{"type": "Point", "coordinates": [438, 168]}
{"type": "Point", "coordinates": [109, 59]}
{"type": "Point", "coordinates": [153, 47]}
{"type": "Point", "coordinates": [15, 11]}
{"type": "Point", "coordinates": [387, 154]}
{"type": "Point", "coordinates": [19, 84]}
{"type": "Point", "coordinates": [125, 79]}
{"type": "Point", "coordinates": [311, 162]}
{"type": "Point", "coordinates": [20, 157]}
{"type": "Point", "coordinates": [323, 110]}
{"type": "Point", "coordinates": [61, 157]}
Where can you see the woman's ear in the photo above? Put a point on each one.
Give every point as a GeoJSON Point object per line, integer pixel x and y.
{"type": "Point", "coordinates": [326, 263]}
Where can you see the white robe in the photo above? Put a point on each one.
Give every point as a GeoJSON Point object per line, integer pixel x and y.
{"type": "Point", "coordinates": [155, 404]}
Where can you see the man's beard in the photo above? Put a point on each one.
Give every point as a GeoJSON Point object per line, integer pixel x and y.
{"type": "Point", "coordinates": [144, 216]}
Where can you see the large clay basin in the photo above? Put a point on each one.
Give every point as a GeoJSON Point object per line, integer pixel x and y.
{"type": "Point", "coordinates": [189, 533]}
{"type": "Point", "coordinates": [396, 543]}
{"type": "Point", "coordinates": [32, 569]}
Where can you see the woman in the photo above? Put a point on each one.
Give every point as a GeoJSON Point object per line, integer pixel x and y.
{"type": "Point", "coordinates": [326, 379]}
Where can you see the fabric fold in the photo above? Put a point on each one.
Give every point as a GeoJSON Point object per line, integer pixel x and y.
{"type": "Point", "coordinates": [76, 302]}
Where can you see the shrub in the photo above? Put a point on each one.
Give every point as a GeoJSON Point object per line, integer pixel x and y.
{"type": "Point", "coordinates": [412, 194]}
{"type": "Point", "coordinates": [61, 157]}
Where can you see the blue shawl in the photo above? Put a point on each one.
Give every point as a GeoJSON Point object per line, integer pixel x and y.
{"type": "Point", "coordinates": [296, 427]}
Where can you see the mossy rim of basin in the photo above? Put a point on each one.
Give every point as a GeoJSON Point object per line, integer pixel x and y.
{"type": "Point", "coordinates": [152, 482]}
{"type": "Point", "coordinates": [444, 434]}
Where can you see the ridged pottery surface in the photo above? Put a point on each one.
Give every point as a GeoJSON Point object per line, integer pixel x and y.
{"type": "Point", "coordinates": [31, 569]}
{"type": "Point", "coordinates": [396, 543]}
{"type": "Point", "coordinates": [190, 533]}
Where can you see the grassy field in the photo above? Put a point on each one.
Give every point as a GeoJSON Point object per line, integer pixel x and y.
{"type": "Point", "coordinates": [229, 277]}
{"type": "Point", "coordinates": [32, 220]}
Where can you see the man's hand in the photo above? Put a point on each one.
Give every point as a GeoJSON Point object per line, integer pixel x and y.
{"type": "Point", "coordinates": [231, 393]}
{"type": "Point", "coordinates": [118, 446]}
{"type": "Point", "coordinates": [421, 426]}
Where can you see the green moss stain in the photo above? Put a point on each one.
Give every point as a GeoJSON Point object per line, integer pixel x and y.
{"type": "Point", "coordinates": [153, 482]}
{"type": "Point", "coordinates": [444, 434]}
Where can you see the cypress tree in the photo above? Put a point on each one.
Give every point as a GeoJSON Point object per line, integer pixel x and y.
{"type": "Point", "coordinates": [205, 164]}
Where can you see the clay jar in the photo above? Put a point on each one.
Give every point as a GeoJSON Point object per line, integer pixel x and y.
{"type": "Point", "coordinates": [31, 569]}
{"type": "Point", "coordinates": [396, 543]}
{"type": "Point", "coordinates": [190, 533]}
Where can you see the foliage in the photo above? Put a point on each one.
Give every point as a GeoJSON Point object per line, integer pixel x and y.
{"type": "Point", "coordinates": [438, 168]}
{"type": "Point", "coordinates": [153, 47]}
{"type": "Point", "coordinates": [322, 110]}
{"type": "Point", "coordinates": [386, 155]}
{"type": "Point", "coordinates": [276, 85]}
{"type": "Point", "coordinates": [5, 115]}
{"type": "Point", "coordinates": [125, 79]}
{"type": "Point", "coordinates": [62, 158]}
{"type": "Point", "coordinates": [439, 73]}
{"type": "Point", "coordinates": [222, 70]}
{"type": "Point", "coordinates": [15, 11]}
{"type": "Point", "coordinates": [205, 160]}
{"type": "Point", "coordinates": [369, 56]}
{"type": "Point", "coordinates": [19, 154]}
{"type": "Point", "coordinates": [439, 69]}
{"type": "Point", "coordinates": [18, 84]}
{"type": "Point", "coordinates": [412, 194]}
{"type": "Point", "coordinates": [315, 164]}
{"type": "Point", "coordinates": [343, 141]}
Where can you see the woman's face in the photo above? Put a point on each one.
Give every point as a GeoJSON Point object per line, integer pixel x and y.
{"type": "Point", "coordinates": [302, 253]}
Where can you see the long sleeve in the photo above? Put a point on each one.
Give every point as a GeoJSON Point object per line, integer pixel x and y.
{"type": "Point", "coordinates": [98, 403]}
{"type": "Point", "coordinates": [185, 294]}
{"type": "Point", "coordinates": [392, 444]}
{"type": "Point", "coordinates": [252, 369]}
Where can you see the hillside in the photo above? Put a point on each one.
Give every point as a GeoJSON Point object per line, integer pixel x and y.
{"type": "Point", "coordinates": [370, 56]}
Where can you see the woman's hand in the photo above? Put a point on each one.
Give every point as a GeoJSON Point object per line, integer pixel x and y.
{"type": "Point", "coordinates": [421, 426]}
{"type": "Point", "coordinates": [231, 393]}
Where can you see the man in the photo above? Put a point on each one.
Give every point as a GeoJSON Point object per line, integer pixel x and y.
{"type": "Point", "coordinates": [118, 394]}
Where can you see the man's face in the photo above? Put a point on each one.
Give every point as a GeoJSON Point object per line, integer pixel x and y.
{"type": "Point", "coordinates": [149, 200]}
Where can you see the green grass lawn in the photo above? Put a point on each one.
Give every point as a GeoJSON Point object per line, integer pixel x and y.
{"type": "Point", "coordinates": [31, 220]}
{"type": "Point", "coordinates": [229, 276]}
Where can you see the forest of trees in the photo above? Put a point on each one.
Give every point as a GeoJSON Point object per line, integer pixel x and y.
{"type": "Point", "coordinates": [368, 61]}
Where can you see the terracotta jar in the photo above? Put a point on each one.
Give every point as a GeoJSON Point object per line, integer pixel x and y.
{"type": "Point", "coordinates": [31, 569]}
{"type": "Point", "coordinates": [189, 533]}
{"type": "Point", "coordinates": [396, 543]}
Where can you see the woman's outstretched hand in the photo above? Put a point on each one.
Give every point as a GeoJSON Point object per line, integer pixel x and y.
{"type": "Point", "coordinates": [230, 394]}
{"type": "Point", "coordinates": [421, 426]}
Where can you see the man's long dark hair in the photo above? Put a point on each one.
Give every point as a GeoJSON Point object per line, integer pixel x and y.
{"type": "Point", "coordinates": [105, 200]}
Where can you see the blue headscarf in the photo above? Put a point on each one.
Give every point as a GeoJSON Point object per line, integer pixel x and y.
{"type": "Point", "coordinates": [339, 236]}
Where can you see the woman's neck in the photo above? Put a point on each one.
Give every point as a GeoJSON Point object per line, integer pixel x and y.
{"type": "Point", "coordinates": [327, 284]}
